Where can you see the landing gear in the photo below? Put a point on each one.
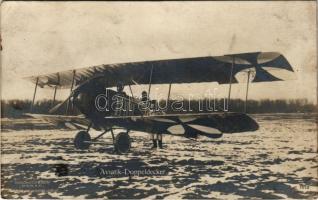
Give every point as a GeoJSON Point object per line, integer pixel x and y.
{"type": "Point", "coordinates": [82, 140]}
{"type": "Point", "coordinates": [122, 143]}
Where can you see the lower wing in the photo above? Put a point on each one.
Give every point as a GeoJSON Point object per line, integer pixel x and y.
{"type": "Point", "coordinates": [63, 121]}
{"type": "Point", "coordinates": [211, 125]}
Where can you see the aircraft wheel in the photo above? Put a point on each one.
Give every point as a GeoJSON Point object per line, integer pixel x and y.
{"type": "Point", "coordinates": [81, 140]}
{"type": "Point", "coordinates": [122, 143]}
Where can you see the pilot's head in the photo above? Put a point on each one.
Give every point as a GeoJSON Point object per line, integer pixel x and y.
{"type": "Point", "coordinates": [120, 87]}
{"type": "Point", "coordinates": [144, 94]}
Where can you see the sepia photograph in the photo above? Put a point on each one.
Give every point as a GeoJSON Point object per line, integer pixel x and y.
{"type": "Point", "coordinates": [159, 100]}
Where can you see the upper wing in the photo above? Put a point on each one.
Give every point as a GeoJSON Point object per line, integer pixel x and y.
{"type": "Point", "coordinates": [186, 70]}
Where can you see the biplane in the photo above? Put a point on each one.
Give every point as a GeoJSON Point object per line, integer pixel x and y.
{"type": "Point", "coordinates": [87, 85]}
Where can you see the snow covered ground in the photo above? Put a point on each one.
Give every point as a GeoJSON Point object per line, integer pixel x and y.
{"type": "Point", "coordinates": [277, 161]}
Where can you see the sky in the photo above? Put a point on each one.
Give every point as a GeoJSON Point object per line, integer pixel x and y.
{"type": "Point", "coordinates": [47, 37]}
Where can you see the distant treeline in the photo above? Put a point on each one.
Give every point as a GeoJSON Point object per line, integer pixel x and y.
{"type": "Point", "coordinates": [252, 106]}
{"type": "Point", "coordinates": [16, 108]}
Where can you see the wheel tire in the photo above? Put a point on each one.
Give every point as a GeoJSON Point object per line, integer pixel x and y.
{"type": "Point", "coordinates": [80, 140]}
{"type": "Point", "coordinates": [122, 143]}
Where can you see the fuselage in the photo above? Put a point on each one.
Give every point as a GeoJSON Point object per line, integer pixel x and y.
{"type": "Point", "coordinates": [108, 108]}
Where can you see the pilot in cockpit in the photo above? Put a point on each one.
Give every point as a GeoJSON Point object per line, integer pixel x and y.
{"type": "Point", "coordinates": [144, 97]}
{"type": "Point", "coordinates": [121, 100]}
{"type": "Point", "coordinates": [145, 109]}
{"type": "Point", "coordinates": [120, 89]}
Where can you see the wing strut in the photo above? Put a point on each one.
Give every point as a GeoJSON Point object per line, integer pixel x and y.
{"type": "Point", "coordinates": [132, 94]}
{"type": "Point", "coordinates": [230, 87]}
{"type": "Point", "coordinates": [150, 79]}
{"type": "Point", "coordinates": [248, 81]}
{"type": "Point", "coordinates": [68, 101]}
{"type": "Point", "coordinates": [54, 95]}
{"type": "Point", "coordinates": [168, 98]}
{"type": "Point", "coordinates": [36, 86]}
{"type": "Point", "coordinates": [55, 88]}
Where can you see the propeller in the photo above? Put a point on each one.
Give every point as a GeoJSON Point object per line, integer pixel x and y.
{"type": "Point", "coordinates": [76, 89]}
{"type": "Point", "coordinates": [73, 93]}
